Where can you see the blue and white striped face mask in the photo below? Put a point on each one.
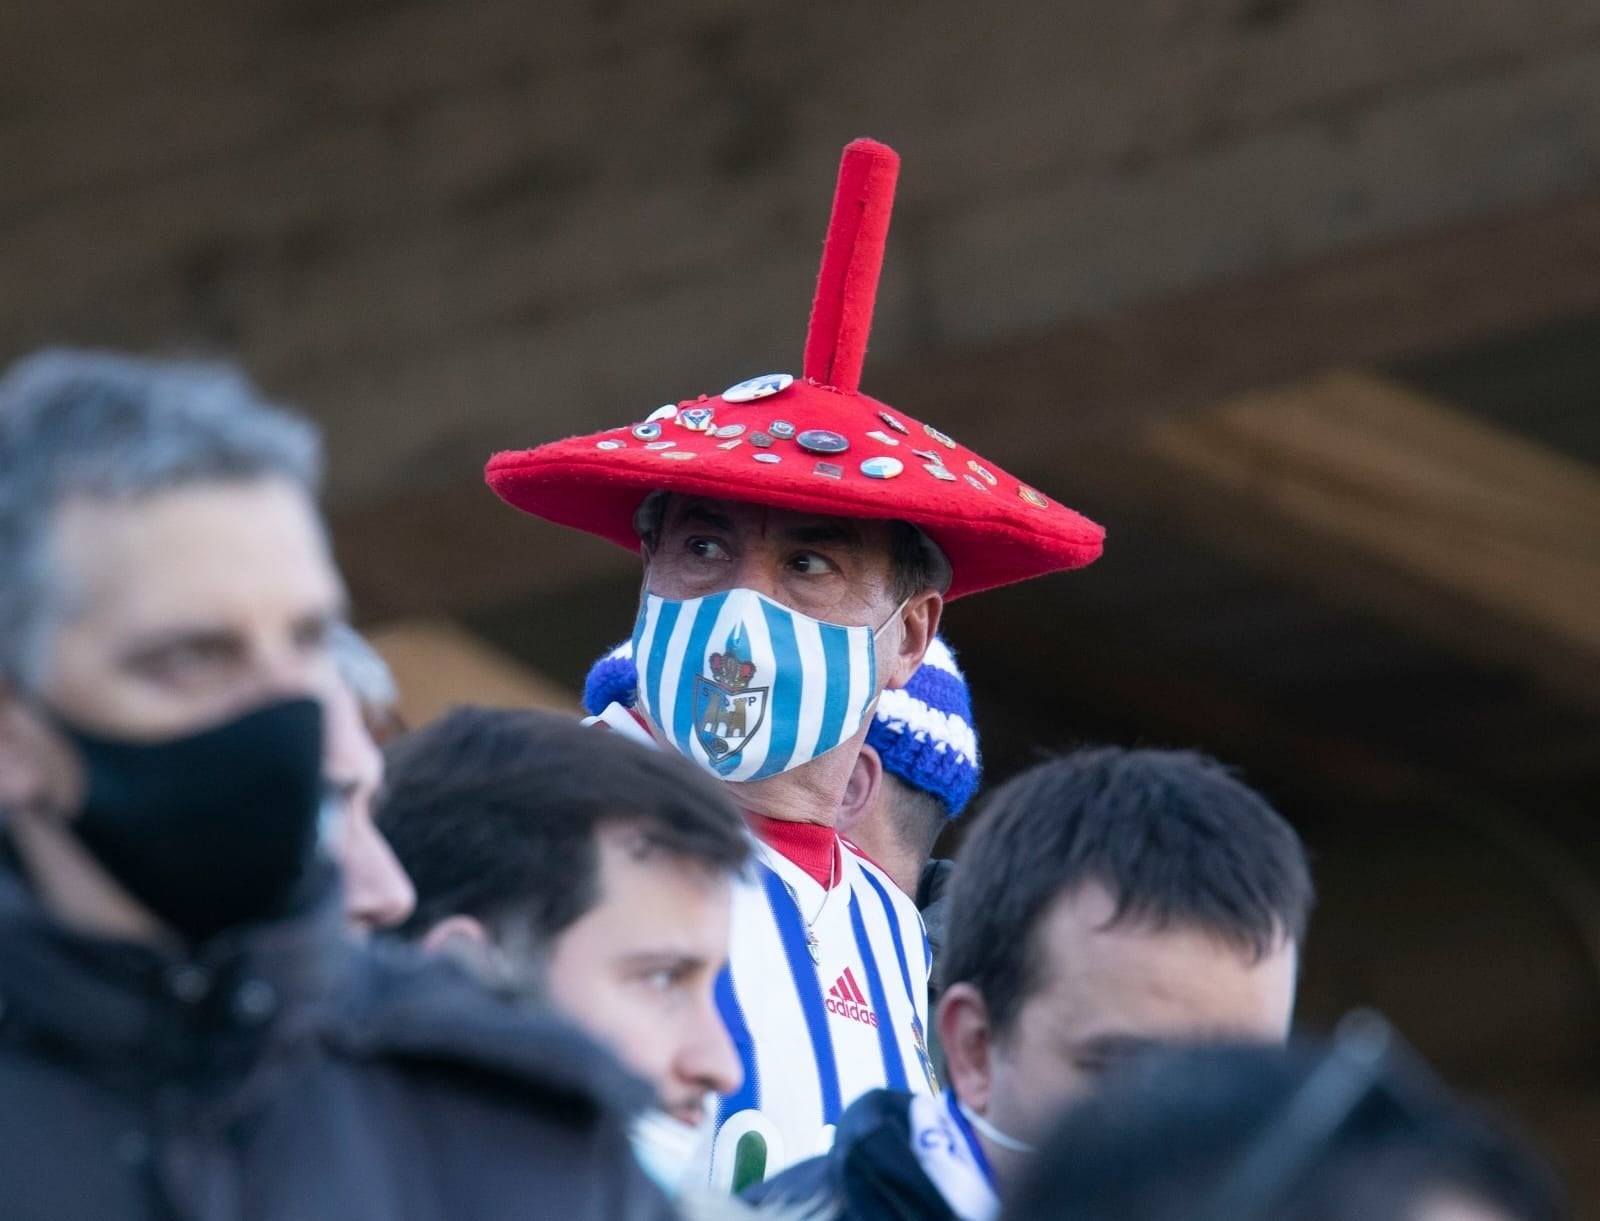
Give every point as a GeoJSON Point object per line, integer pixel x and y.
{"type": "Point", "coordinates": [748, 688]}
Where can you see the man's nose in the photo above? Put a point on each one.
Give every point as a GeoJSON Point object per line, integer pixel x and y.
{"type": "Point", "coordinates": [708, 1057]}
{"type": "Point", "coordinates": [378, 892]}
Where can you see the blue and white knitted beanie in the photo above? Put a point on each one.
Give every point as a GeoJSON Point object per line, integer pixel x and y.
{"type": "Point", "coordinates": [922, 732]}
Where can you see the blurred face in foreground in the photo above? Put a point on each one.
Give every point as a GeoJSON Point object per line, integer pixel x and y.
{"type": "Point", "coordinates": [638, 971]}
{"type": "Point", "coordinates": [1101, 992]}
{"type": "Point", "coordinates": [377, 892]}
{"type": "Point", "coordinates": [173, 613]}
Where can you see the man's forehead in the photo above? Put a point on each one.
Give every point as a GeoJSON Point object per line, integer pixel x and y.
{"type": "Point", "coordinates": [739, 514]}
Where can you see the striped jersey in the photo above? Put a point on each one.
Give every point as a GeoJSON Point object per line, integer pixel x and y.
{"type": "Point", "coordinates": [813, 1033]}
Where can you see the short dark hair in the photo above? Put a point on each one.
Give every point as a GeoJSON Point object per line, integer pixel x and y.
{"type": "Point", "coordinates": [1189, 1134]}
{"type": "Point", "coordinates": [1172, 835]}
{"type": "Point", "coordinates": [494, 814]}
{"type": "Point", "coordinates": [916, 816]}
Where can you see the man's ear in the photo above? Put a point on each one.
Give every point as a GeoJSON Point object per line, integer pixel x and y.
{"type": "Point", "coordinates": [465, 938]}
{"type": "Point", "coordinates": [919, 622]}
{"type": "Point", "coordinates": [37, 771]}
{"type": "Point", "coordinates": [861, 791]}
{"type": "Point", "coordinates": [968, 1041]}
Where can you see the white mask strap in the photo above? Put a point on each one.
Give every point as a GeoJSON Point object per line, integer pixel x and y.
{"type": "Point", "coordinates": [985, 1128]}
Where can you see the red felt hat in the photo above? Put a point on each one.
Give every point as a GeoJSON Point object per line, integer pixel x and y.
{"type": "Point", "coordinates": [813, 444]}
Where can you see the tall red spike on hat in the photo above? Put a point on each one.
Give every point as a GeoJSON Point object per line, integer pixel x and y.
{"type": "Point", "coordinates": [813, 445]}
{"type": "Point", "coordinates": [852, 258]}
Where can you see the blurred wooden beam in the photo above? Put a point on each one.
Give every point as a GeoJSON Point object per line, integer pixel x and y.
{"type": "Point", "coordinates": [1351, 474]}
{"type": "Point", "coordinates": [1374, 305]}
{"type": "Point", "coordinates": [437, 665]}
{"type": "Point", "coordinates": [1041, 403]}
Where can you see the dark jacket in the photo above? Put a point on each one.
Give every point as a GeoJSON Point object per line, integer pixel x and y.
{"type": "Point", "coordinates": [287, 1074]}
{"type": "Point", "coordinates": [870, 1174]}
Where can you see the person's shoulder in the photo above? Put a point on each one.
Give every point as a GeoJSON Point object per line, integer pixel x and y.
{"type": "Point", "coordinates": [427, 1016]}
{"type": "Point", "coordinates": [935, 879]}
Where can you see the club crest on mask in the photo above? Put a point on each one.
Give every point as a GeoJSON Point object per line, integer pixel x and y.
{"type": "Point", "coordinates": [727, 710]}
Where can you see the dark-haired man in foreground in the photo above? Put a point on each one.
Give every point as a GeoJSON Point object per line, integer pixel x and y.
{"type": "Point", "coordinates": [1105, 901]}
{"type": "Point", "coordinates": [585, 871]}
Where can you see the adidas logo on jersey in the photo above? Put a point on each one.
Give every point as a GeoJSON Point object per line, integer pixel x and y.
{"type": "Point", "coordinates": [845, 999]}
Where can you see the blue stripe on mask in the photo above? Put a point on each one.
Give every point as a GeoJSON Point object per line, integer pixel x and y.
{"type": "Point", "coordinates": [787, 688]}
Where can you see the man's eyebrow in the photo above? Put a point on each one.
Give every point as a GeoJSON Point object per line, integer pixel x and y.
{"type": "Point", "coordinates": [154, 643]}
{"type": "Point", "coordinates": [828, 530]}
{"type": "Point", "coordinates": [699, 513]}
{"type": "Point", "coordinates": [1117, 1046]}
{"type": "Point", "coordinates": [658, 959]}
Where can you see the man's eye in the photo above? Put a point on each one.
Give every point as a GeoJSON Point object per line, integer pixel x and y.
{"type": "Point", "coordinates": [706, 549]}
{"type": "Point", "coordinates": [812, 564]}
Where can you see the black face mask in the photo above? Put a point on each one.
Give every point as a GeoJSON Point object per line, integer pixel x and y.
{"type": "Point", "coordinates": [211, 830]}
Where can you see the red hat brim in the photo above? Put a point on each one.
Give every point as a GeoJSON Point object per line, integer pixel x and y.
{"type": "Point", "coordinates": [994, 529]}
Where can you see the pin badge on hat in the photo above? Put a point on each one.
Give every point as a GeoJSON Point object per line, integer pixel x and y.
{"type": "Point", "coordinates": [781, 429]}
{"type": "Point", "coordinates": [648, 431]}
{"type": "Point", "coordinates": [664, 412]}
{"type": "Point", "coordinates": [976, 482]}
{"type": "Point", "coordinates": [611, 443]}
{"type": "Point", "coordinates": [828, 470]}
{"type": "Point", "coordinates": [661, 445]}
{"type": "Point", "coordinates": [728, 430]}
{"type": "Point", "coordinates": [1036, 499]}
{"type": "Point", "coordinates": [882, 438]}
{"type": "Point", "coordinates": [982, 472]}
{"type": "Point", "coordinates": [753, 388]}
{"type": "Point", "coordinates": [695, 419]}
{"type": "Point", "coordinates": [939, 472]}
{"type": "Point", "coordinates": [764, 456]}
{"type": "Point", "coordinates": [942, 438]}
{"type": "Point", "coordinates": [682, 455]}
{"type": "Point", "coordinates": [733, 444]}
{"type": "Point", "coordinates": [822, 441]}
{"type": "Point", "coordinates": [882, 467]}
{"type": "Point", "coordinates": [893, 423]}
{"type": "Point", "coordinates": [760, 440]}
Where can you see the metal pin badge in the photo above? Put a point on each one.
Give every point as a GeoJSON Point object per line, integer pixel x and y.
{"type": "Point", "coordinates": [882, 467]}
{"type": "Point", "coordinates": [942, 438]}
{"type": "Point", "coordinates": [893, 423]}
{"type": "Point", "coordinates": [648, 431]}
{"type": "Point", "coordinates": [728, 430]}
{"type": "Point", "coordinates": [821, 441]}
{"type": "Point", "coordinates": [1034, 498]}
{"type": "Point", "coordinates": [882, 438]}
{"type": "Point", "coordinates": [976, 482]}
{"type": "Point", "coordinates": [760, 440]}
{"type": "Point", "coordinates": [764, 456]}
{"type": "Point", "coordinates": [928, 455]}
{"type": "Point", "coordinates": [611, 444]}
{"type": "Point", "coordinates": [695, 419]}
{"type": "Point", "coordinates": [664, 412]}
{"type": "Point", "coordinates": [940, 472]}
{"type": "Point", "coordinates": [828, 470]}
{"type": "Point", "coordinates": [681, 455]}
{"type": "Point", "coordinates": [661, 445]}
{"type": "Point", "coordinates": [982, 472]}
{"type": "Point", "coordinates": [781, 429]}
{"type": "Point", "coordinates": [753, 388]}
{"type": "Point", "coordinates": [734, 444]}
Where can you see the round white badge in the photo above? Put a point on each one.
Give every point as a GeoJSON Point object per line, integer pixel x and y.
{"type": "Point", "coordinates": [753, 388]}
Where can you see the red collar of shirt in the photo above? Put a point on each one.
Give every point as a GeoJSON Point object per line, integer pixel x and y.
{"type": "Point", "coordinates": [814, 848]}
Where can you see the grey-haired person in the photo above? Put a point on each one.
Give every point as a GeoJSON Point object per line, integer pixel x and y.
{"type": "Point", "coordinates": [186, 1028]}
